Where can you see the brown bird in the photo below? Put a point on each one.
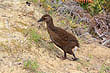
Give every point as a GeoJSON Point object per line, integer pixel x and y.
{"type": "Point", "coordinates": [60, 37]}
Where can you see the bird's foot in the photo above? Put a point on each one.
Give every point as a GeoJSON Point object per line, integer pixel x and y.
{"type": "Point", "coordinates": [75, 59]}
{"type": "Point", "coordinates": [63, 58]}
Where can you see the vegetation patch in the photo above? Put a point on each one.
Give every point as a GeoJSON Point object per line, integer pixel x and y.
{"type": "Point", "coordinates": [104, 69]}
{"type": "Point", "coordinates": [34, 36]}
{"type": "Point", "coordinates": [31, 65]}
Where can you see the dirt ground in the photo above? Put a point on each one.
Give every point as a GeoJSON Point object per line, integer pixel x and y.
{"type": "Point", "coordinates": [15, 48]}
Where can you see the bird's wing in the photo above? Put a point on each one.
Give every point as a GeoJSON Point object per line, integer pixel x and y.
{"type": "Point", "coordinates": [64, 35]}
{"type": "Point", "coordinates": [62, 38]}
{"type": "Point", "coordinates": [56, 39]}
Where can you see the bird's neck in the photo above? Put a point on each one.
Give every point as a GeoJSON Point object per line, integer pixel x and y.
{"type": "Point", "coordinates": [50, 24]}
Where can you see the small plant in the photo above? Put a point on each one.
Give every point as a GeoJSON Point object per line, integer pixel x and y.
{"type": "Point", "coordinates": [34, 36]}
{"type": "Point", "coordinates": [31, 65]}
{"type": "Point", "coordinates": [104, 69]}
{"type": "Point", "coordinates": [95, 7]}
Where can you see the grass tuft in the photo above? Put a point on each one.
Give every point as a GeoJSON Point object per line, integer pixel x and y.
{"type": "Point", "coordinates": [32, 65]}
{"type": "Point", "coordinates": [34, 36]}
{"type": "Point", "coordinates": [104, 69]}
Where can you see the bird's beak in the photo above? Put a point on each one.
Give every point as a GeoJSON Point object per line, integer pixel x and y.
{"type": "Point", "coordinates": [40, 20]}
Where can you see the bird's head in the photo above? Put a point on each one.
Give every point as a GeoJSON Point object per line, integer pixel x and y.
{"type": "Point", "coordinates": [45, 18]}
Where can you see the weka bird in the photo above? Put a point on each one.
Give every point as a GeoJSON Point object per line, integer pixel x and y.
{"type": "Point", "coordinates": [60, 37]}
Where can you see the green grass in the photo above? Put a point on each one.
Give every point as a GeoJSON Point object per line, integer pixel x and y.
{"type": "Point", "coordinates": [34, 36]}
{"type": "Point", "coordinates": [94, 8]}
{"type": "Point", "coordinates": [104, 69]}
{"type": "Point", "coordinates": [31, 65]}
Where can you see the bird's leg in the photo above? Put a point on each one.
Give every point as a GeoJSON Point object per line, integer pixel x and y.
{"type": "Point", "coordinates": [64, 54]}
{"type": "Point", "coordinates": [75, 58]}
{"type": "Point", "coordinates": [64, 57]}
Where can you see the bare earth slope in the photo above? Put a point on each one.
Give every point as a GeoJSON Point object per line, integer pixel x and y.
{"type": "Point", "coordinates": [15, 48]}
